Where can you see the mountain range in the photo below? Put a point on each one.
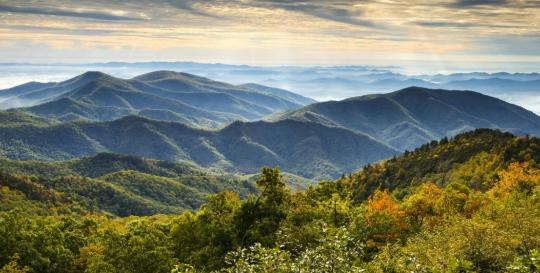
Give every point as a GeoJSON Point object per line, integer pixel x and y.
{"type": "Point", "coordinates": [161, 95]}
{"type": "Point", "coordinates": [320, 82]}
{"type": "Point", "coordinates": [238, 128]}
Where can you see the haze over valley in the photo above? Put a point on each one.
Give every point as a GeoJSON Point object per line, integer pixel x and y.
{"type": "Point", "coordinates": [321, 83]}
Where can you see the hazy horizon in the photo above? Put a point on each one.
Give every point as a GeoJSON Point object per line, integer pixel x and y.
{"type": "Point", "coordinates": [321, 83]}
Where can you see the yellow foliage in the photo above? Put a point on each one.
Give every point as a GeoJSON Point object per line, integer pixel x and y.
{"type": "Point", "coordinates": [518, 176]}
{"type": "Point", "coordinates": [423, 204]}
{"type": "Point", "coordinates": [13, 267]}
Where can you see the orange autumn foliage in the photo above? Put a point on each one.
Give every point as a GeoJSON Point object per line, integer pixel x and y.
{"type": "Point", "coordinates": [381, 202]}
{"type": "Point", "coordinates": [384, 216]}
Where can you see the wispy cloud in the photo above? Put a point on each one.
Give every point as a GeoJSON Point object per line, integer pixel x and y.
{"type": "Point", "coordinates": [95, 15]}
{"type": "Point", "coordinates": [188, 5]}
{"type": "Point", "coordinates": [472, 3]}
{"type": "Point", "coordinates": [60, 30]}
{"type": "Point", "coordinates": [322, 9]}
{"type": "Point", "coordinates": [446, 24]}
{"type": "Point", "coordinates": [269, 31]}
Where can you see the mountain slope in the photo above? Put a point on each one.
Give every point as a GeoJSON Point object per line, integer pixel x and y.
{"type": "Point", "coordinates": [472, 158]}
{"type": "Point", "coordinates": [412, 116]}
{"type": "Point", "coordinates": [162, 95]}
{"type": "Point", "coordinates": [307, 149]}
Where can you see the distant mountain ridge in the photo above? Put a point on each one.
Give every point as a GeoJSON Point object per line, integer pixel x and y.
{"type": "Point", "coordinates": [162, 95]}
{"type": "Point", "coordinates": [407, 118]}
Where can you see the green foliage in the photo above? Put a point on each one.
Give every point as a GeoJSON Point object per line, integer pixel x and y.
{"type": "Point", "coordinates": [204, 238]}
{"type": "Point", "coordinates": [13, 267]}
{"type": "Point", "coordinates": [42, 244]}
{"type": "Point", "coordinates": [112, 184]}
{"type": "Point", "coordinates": [258, 218]}
{"type": "Point", "coordinates": [529, 262]}
{"type": "Point", "coordinates": [472, 158]}
{"type": "Point", "coordinates": [336, 252]}
{"type": "Point", "coordinates": [143, 247]}
{"type": "Point", "coordinates": [474, 213]}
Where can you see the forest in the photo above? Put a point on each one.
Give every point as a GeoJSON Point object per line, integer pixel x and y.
{"type": "Point", "coordinates": [470, 203]}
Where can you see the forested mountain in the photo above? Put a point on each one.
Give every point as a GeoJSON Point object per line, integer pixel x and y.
{"type": "Point", "coordinates": [407, 118]}
{"type": "Point", "coordinates": [322, 140]}
{"type": "Point", "coordinates": [307, 149]}
{"type": "Point", "coordinates": [114, 184]}
{"type": "Point", "coordinates": [162, 95]}
{"type": "Point", "coordinates": [465, 204]}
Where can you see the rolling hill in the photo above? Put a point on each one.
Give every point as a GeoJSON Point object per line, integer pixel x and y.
{"type": "Point", "coordinates": [407, 118]}
{"type": "Point", "coordinates": [162, 95]}
{"type": "Point", "coordinates": [118, 185]}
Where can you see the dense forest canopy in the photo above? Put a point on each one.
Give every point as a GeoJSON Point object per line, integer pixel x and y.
{"type": "Point", "coordinates": [466, 204]}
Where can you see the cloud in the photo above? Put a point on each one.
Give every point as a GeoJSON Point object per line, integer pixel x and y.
{"type": "Point", "coordinates": [187, 5]}
{"type": "Point", "coordinates": [95, 15]}
{"type": "Point", "coordinates": [524, 45]}
{"type": "Point", "coordinates": [444, 24]}
{"type": "Point", "coordinates": [60, 30]}
{"type": "Point", "coordinates": [472, 3]}
{"type": "Point", "coordinates": [324, 9]}
{"type": "Point", "coordinates": [458, 24]}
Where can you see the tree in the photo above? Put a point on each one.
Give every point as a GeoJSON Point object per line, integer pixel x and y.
{"type": "Point", "coordinates": [203, 239]}
{"type": "Point", "coordinates": [143, 247]}
{"type": "Point", "coordinates": [519, 177]}
{"type": "Point", "coordinates": [422, 205]}
{"type": "Point", "coordinates": [379, 221]}
{"type": "Point", "coordinates": [258, 218]}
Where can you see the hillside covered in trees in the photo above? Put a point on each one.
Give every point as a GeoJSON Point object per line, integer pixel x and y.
{"type": "Point", "coordinates": [466, 204]}
{"type": "Point", "coordinates": [307, 149]}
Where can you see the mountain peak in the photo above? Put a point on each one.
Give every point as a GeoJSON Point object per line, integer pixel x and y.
{"type": "Point", "coordinates": [92, 75]}
{"type": "Point", "coordinates": [156, 75]}
{"type": "Point", "coordinates": [414, 89]}
{"type": "Point", "coordinates": [174, 75]}
{"type": "Point", "coordinates": [132, 119]}
{"type": "Point", "coordinates": [163, 74]}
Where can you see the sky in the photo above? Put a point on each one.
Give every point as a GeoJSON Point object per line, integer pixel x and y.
{"type": "Point", "coordinates": [424, 35]}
